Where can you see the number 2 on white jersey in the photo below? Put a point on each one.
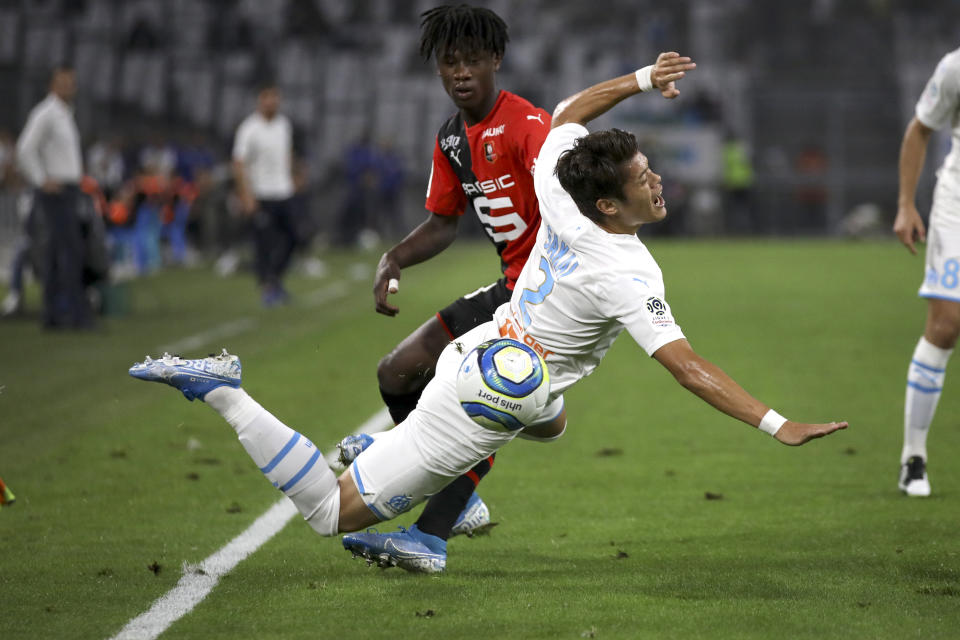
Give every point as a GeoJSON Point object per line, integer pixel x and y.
{"type": "Point", "coordinates": [530, 296]}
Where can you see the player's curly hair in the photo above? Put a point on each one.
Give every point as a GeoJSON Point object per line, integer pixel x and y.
{"type": "Point", "coordinates": [446, 28]}
{"type": "Point", "coordinates": [596, 167]}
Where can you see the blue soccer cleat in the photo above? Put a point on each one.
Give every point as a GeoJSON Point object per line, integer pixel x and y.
{"type": "Point", "coordinates": [194, 378]}
{"type": "Point", "coordinates": [410, 549]}
{"type": "Point", "coordinates": [474, 518]}
{"type": "Point", "coordinates": [352, 446]}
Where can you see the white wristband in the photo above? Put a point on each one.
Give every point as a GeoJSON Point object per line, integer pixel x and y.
{"type": "Point", "coordinates": [645, 78]}
{"type": "Point", "coordinates": [771, 422]}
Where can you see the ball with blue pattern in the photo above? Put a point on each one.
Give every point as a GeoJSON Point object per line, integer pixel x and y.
{"type": "Point", "coordinates": [503, 384]}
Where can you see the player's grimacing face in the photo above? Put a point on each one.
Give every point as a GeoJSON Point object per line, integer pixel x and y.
{"type": "Point", "coordinates": [468, 76]}
{"type": "Point", "coordinates": [643, 194]}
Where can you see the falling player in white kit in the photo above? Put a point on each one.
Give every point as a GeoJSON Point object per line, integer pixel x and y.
{"type": "Point", "coordinates": [938, 107]}
{"type": "Point", "coordinates": [588, 278]}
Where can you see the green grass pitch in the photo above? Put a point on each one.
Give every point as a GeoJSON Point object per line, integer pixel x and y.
{"type": "Point", "coordinates": [606, 533]}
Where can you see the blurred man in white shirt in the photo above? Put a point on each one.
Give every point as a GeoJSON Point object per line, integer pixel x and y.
{"type": "Point", "coordinates": [263, 170]}
{"type": "Point", "coordinates": [49, 156]}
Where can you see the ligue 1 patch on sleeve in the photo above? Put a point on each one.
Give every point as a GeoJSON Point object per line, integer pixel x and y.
{"type": "Point", "coordinates": [659, 312]}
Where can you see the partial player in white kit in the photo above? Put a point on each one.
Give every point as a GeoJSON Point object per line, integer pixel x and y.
{"type": "Point", "coordinates": [588, 278]}
{"type": "Point", "coordinates": [938, 107]}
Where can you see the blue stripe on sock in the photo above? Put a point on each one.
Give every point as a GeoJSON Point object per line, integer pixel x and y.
{"type": "Point", "coordinates": [295, 479]}
{"type": "Point", "coordinates": [283, 454]}
{"type": "Point", "coordinates": [923, 389]}
{"type": "Point", "coordinates": [927, 367]}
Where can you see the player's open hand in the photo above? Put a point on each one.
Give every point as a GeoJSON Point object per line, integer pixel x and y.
{"type": "Point", "coordinates": [387, 278]}
{"type": "Point", "coordinates": [667, 70]}
{"type": "Point", "coordinates": [909, 227]}
{"type": "Point", "coordinates": [797, 433]}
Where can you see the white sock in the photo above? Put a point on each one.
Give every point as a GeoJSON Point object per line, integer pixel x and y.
{"type": "Point", "coordinates": [924, 386]}
{"type": "Point", "coordinates": [289, 460]}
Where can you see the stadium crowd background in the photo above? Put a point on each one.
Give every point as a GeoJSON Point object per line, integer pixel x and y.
{"type": "Point", "coordinates": [791, 125]}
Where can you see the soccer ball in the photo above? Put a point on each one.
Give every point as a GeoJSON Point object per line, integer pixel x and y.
{"type": "Point", "coordinates": [503, 384]}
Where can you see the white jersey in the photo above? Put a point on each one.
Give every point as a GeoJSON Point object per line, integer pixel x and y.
{"type": "Point", "coordinates": [939, 106]}
{"type": "Point", "coordinates": [265, 147]}
{"type": "Point", "coordinates": [49, 146]}
{"type": "Point", "coordinates": [581, 285]}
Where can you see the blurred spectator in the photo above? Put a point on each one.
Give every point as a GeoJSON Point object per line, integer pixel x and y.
{"type": "Point", "coordinates": [391, 181]}
{"type": "Point", "coordinates": [24, 255]}
{"type": "Point", "coordinates": [49, 155]}
{"type": "Point", "coordinates": [105, 165]}
{"type": "Point", "coordinates": [364, 167]}
{"type": "Point", "coordinates": [738, 188]}
{"type": "Point", "coordinates": [193, 157]}
{"type": "Point", "coordinates": [811, 195]}
{"type": "Point", "coordinates": [263, 169]}
{"type": "Point", "coordinates": [158, 157]}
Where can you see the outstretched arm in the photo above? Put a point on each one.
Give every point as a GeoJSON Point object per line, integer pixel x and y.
{"type": "Point", "coordinates": [600, 98]}
{"type": "Point", "coordinates": [913, 150]}
{"type": "Point", "coordinates": [710, 383]}
{"type": "Point", "coordinates": [427, 240]}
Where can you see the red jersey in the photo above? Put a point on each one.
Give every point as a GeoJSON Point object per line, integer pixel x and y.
{"type": "Point", "coordinates": [489, 166]}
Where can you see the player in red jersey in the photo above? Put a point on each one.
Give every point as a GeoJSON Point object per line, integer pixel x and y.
{"type": "Point", "coordinates": [483, 164]}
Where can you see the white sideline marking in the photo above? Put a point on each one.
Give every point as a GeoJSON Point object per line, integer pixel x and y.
{"type": "Point", "coordinates": [197, 340]}
{"type": "Point", "coordinates": [199, 580]}
{"type": "Point", "coordinates": [325, 294]}
{"type": "Point", "coordinates": [233, 328]}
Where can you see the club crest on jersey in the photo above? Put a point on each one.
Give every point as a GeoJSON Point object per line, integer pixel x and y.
{"type": "Point", "coordinates": [488, 151]}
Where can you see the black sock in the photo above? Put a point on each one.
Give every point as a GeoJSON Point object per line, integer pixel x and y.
{"type": "Point", "coordinates": [443, 508]}
{"type": "Point", "coordinates": [400, 405]}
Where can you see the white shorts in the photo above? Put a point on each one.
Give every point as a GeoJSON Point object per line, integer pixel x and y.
{"type": "Point", "coordinates": [434, 445]}
{"type": "Point", "coordinates": [942, 277]}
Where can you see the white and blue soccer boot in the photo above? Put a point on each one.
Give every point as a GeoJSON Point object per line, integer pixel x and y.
{"type": "Point", "coordinates": [474, 518]}
{"type": "Point", "coordinates": [410, 549]}
{"type": "Point", "coordinates": [194, 378]}
{"type": "Point", "coordinates": [352, 446]}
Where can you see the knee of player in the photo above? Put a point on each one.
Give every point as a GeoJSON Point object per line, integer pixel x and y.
{"type": "Point", "coordinates": [386, 370]}
{"type": "Point", "coordinates": [943, 331]}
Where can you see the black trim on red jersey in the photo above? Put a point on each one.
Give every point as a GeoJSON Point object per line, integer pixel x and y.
{"type": "Point", "coordinates": [455, 146]}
